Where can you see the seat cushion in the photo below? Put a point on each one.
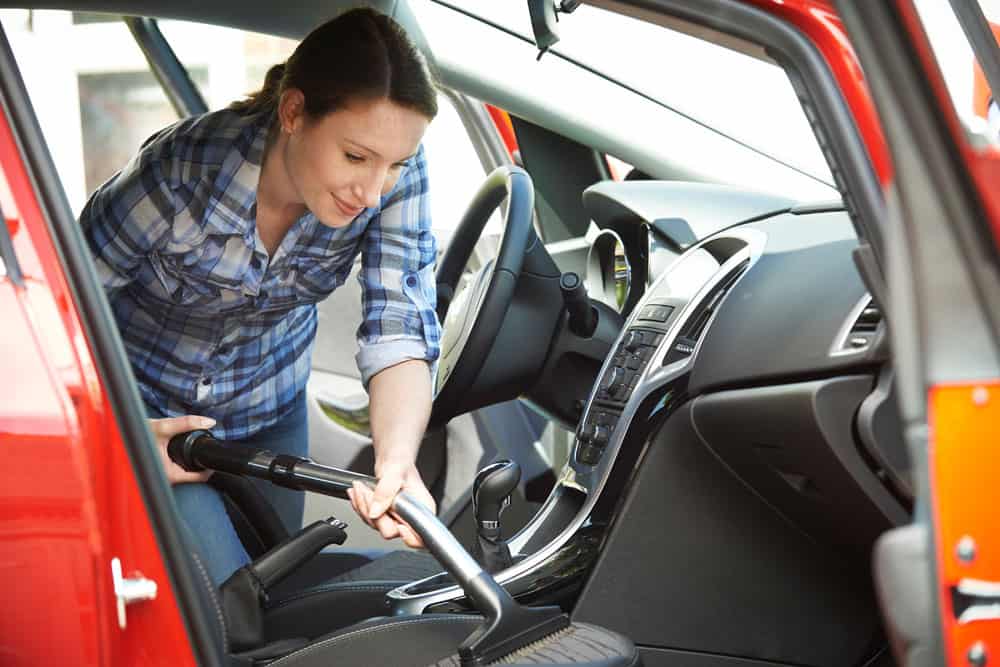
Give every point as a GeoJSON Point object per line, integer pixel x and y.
{"type": "Point", "coordinates": [411, 640]}
{"type": "Point", "coordinates": [581, 645]}
{"type": "Point", "coordinates": [432, 640]}
{"type": "Point", "coordinates": [319, 603]}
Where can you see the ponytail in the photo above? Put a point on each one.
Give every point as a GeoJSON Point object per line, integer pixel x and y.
{"type": "Point", "coordinates": [267, 97]}
{"type": "Point", "coordinates": [360, 55]}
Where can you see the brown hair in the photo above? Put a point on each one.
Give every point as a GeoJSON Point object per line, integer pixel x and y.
{"type": "Point", "coordinates": [361, 54]}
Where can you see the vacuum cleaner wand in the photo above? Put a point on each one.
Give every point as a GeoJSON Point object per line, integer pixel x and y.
{"type": "Point", "coordinates": [508, 626]}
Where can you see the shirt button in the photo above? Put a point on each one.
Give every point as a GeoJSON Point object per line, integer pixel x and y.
{"type": "Point", "coordinates": [206, 381]}
{"type": "Point", "coordinates": [411, 281]}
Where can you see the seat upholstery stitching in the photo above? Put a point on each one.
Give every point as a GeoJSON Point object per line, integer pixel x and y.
{"type": "Point", "coordinates": [215, 600]}
{"type": "Point", "coordinates": [333, 588]}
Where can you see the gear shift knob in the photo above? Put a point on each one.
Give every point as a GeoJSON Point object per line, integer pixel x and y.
{"type": "Point", "coordinates": [491, 494]}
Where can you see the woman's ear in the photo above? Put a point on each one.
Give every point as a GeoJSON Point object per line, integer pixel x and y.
{"type": "Point", "coordinates": [291, 110]}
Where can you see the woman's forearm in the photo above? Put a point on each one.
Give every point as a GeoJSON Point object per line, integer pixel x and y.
{"type": "Point", "coordinates": [399, 405]}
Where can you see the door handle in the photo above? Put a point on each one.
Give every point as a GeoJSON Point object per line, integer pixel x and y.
{"type": "Point", "coordinates": [129, 590]}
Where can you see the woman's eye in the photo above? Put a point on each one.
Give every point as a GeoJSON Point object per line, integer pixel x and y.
{"type": "Point", "coordinates": [351, 157]}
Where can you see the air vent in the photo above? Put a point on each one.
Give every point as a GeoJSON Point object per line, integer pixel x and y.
{"type": "Point", "coordinates": [860, 329]}
{"type": "Point", "coordinates": [691, 333]}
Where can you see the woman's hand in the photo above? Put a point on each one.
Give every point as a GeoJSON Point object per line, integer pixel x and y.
{"type": "Point", "coordinates": [163, 430]}
{"type": "Point", "coordinates": [372, 505]}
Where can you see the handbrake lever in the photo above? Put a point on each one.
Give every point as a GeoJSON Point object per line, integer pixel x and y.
{"type": "Point", "coordinates": [244, 592]}
{"type": "Point", "coordinates": [508, 626]}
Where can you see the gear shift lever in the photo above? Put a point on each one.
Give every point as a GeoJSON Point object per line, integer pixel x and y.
{"type": "Point", "coordinates": [491, 493]}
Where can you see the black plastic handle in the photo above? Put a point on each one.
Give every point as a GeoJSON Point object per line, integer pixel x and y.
{"type": "Point", "coordinates": [289, 556]}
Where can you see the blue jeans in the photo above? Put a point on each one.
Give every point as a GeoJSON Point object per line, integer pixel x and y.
{"type": "Point", "coordinates": [203, 510]}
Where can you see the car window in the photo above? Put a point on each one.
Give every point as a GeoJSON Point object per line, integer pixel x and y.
{"type": "Point", "coordinates": [99, 103]}
{"type": "Point", "coordinates": [975, 104]}
{"type": "Point", "coordinates": [661, 138]}
{"type": "Point", "coordinates": [746, 97]}
{"type": "Point", "coordinates": [95, 105]}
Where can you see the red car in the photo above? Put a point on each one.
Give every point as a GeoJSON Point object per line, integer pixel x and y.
{"type": "Point", "coordinates": [785, 422]}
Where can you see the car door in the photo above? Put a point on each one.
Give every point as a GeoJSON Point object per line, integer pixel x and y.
{"type": "Point", "coordinates": [74, 528]}
{"type": "Point", "coordinates": [939, 578]}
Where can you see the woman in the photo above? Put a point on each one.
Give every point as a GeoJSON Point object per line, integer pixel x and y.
{"type": "Point", "coordinates": [216, 241]}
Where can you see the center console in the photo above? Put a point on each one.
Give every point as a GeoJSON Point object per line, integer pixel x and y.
{"type": "Point", "coordinates": [639, 385]}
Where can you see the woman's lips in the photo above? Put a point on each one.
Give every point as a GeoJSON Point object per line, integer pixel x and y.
{"type": "Point", "coordinates": [350, 211]}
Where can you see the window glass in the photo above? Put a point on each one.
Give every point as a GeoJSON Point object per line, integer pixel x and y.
{"type": "Point", "coordinates": [748, 98]}
{"type": "Point", "coordinates": [118, 111]}
{"type": "Point", "coordinates": [639, 92]}
{"type": "Point", "coordinates": [970, 93]}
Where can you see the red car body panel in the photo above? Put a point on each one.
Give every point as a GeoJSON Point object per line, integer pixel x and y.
{"type": "Point", "coordinates": [69, 502]}
{"type": "Point", "coordinates": [819, 22]}
{"type": "Point", "coordinates": [962, 454]}
{"type": "Point", "coordinates": [964, 457]}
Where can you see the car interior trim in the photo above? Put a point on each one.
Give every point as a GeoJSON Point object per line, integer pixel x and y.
{"type": "Point", "coordinates": [841, 345]}
{"type": "Point", "coordinates": [733, 250]}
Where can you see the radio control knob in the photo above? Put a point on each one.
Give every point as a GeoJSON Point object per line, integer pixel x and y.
{"type": "Point", "coordinates": [615, 380]}
{"type": "Point", "coordinates": [633, 339]}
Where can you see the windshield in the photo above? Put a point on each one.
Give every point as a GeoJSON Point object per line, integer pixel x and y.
{"type": "Point", "coordinates": [748, 99]}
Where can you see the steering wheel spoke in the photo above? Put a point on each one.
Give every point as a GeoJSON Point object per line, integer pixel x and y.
{"type": "Point", "coordinates": [496, 330]}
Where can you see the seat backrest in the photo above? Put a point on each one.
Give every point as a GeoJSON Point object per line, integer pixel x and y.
{"type": "Point", "coordinates": [208, 595]}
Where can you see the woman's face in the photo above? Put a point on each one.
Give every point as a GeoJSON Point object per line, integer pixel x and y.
{"type": "Point", "coordinates": [345, 161]}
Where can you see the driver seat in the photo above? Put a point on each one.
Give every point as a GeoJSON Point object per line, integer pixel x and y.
{"type": "Point", "coordinates": [333, 589]}
{"type": "Point", "coordinates": [404, 641]}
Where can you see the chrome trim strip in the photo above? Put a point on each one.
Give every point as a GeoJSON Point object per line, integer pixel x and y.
{"type": "Point", "coordinates": [593, 479]}
{"type": "Point", "coordinates": [840, 341]}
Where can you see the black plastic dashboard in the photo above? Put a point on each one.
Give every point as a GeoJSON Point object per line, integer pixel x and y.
{"type": "Point", "coordinates": [729, 407]}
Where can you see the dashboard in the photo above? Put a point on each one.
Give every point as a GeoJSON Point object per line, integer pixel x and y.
{"type": "Point", "coordinates": [754, 340]}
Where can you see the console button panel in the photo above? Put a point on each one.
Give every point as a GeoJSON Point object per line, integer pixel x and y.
{"type": "Point", "coordinates": [630, 359]}
{"type": "Point", "coordinates": [616, 385]}
{"type": "Point", "coordinates": [595, 434]}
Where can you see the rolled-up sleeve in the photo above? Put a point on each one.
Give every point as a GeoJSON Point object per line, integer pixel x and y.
{"type": "Point", "coordinates": [399, 320]}
{"type": "Point", "coordinates": [126, 218]}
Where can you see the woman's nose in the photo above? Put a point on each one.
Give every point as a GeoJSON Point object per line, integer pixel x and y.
{"type": "Point", "coordinates": [369, 190]}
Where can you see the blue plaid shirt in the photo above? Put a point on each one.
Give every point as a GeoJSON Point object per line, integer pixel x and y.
{"type": "Point", "coordinates": [211, 323]}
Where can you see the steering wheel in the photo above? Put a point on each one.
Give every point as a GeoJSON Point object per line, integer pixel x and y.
{"type": "Point", "coordinates": [473, 318]}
